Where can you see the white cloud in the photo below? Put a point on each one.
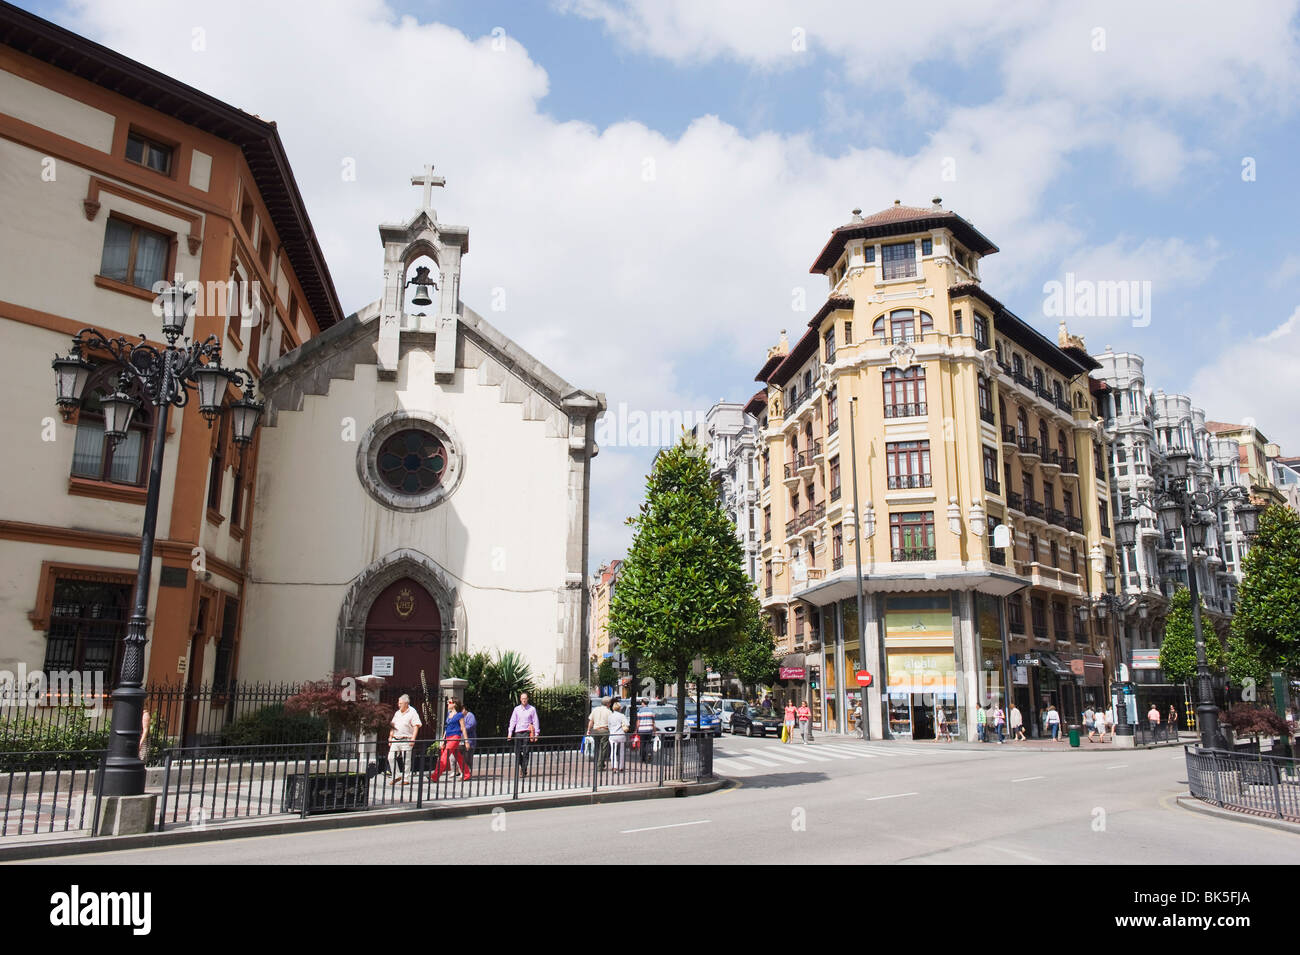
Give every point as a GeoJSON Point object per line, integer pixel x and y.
{"type": "Point", "coordinates": [1256, 379]}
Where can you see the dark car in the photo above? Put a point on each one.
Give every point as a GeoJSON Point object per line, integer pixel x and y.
{"type": "Point", "coordinates": [754, 722]}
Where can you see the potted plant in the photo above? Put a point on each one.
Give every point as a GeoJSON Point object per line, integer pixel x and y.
{"type": "Point", "coordinates": [345, 709]}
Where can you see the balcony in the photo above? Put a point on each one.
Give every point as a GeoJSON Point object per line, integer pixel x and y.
{"type": "Point", "coordinates": [767, 535]}
{"type": "Point", "coordinates": [1055, 517]}
{"type": "Point", "coordinates": [1074, 524]}
{"type": "Point", "coordinates": [900, 481]}
{"type": "Point", "coordinates": [1005, 366]}
{"type": "Point", "coordinates": [767, 591]}
{"type": "Point", "coordinates": [1105, 530]}
{"type": "Point", "coordinates": [913, 410]}
{"type": "Point", "coordinates": [913, 553]}
{"type": "Point", "coordinates": [791, 477]}
{"type": "Point", "coordinates": [998, 555]}
{"type": "Point", "coordinates": [1040, 632]}
{"type": "Point", "coordinates": [1009, 436]}
{"type": "Point", "coordinates": [1063, 404]}
{"type": "Point", "coordinates": [1099, 469]}
{"type": "Point", "coordinates": [767, 479]}
{"type": "Point", "coordinates": [837, 563]}
{"type": "Point", "coordinates": [835, 493]}
{"type": "Point", "coordinates": [1020, 378]}
{"type": "Point", "coordinates": [1028, 446]}
{"type": "Point", "coordinates": [986, 414]}
{"type": "Point", "coordinates": [1044, 392]}
{"type": "Point", "coordinates": [1069, 465]}
{"type": "Point", "coordinates": [1015, 502]}
{"type": "Point", "coordinates": [1035, 509]}
{"type": "Point", "coordinates": [817, 450]}
{"type": "Point", "coordinates": [818, 513]}
{"type": "Point", "coordinates": [992, 486]}
{"type": "Point", "coordinates": [792, 527]}
{"type": "Point", "coordinates": [1051, 459]}
{"type": "Point", "coordinates": [806, 464]}
{"type": "Point", "coordinates": [832, 426]}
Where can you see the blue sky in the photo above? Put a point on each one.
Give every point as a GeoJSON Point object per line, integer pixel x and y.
{"type": "Point", "coordinates": [1113, 155]}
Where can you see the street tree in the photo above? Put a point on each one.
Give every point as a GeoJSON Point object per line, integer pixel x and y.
{"type": "Point", "coordinates": [1267, 621]}
{"type": "Point", "coordinates": [683, 593]}
{"type": "Point", "coordinates": [754, 659]}
{"type": "Point", "coordinates": [1178, 649]}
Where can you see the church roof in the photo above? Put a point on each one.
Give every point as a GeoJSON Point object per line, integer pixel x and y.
{"type": "Point", "coordinates": [258, 139]}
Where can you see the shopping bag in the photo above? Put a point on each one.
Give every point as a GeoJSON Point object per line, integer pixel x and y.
{"type": "Point", "coordinates": [588, 747]}
{"type": "Point", "coordinates": [785, 734]}
{"type": "Point", "coordinates": [636, 741]}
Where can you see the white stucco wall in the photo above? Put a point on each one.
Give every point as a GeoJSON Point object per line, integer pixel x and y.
{"type": "Point", "coordinates": [500, 537]}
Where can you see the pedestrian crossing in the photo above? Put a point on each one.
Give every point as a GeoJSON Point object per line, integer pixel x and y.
{"type": "Point", "coordinates": [776, 757]}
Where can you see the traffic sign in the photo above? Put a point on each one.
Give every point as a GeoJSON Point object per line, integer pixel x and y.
{"type": "Point", "coordinates": [864, 678]}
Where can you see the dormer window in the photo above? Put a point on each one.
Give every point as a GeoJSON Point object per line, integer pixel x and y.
{"type": "Point", "coordinates": [899, 260]}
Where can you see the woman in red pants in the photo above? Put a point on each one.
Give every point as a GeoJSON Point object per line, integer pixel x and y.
{"type": "Point", "coordinates": [452, 735]}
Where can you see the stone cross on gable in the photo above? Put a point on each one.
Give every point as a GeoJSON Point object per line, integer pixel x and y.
{"type": "Point", "coordinates": [428, 180]}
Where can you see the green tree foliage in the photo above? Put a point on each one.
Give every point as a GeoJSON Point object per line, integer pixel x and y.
{"type": "Point", "coordinates": [1178, 649]}
{"type": "Point", "coordinates": [562, 710]}
{"type": "Point", "coordinates": [1267, 621]}
{"type": "Point", "coordinates": [1244, 663]}
{"type": "Point", "coordinates": [754, 659]}
{"type": "Point", "coordinates": [683, 593]}
{"type": "Point", "coordinates": [606, 675]}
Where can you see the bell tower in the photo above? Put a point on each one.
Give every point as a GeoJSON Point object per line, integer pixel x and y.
{"type": "Point", "coordinates": [404, 243]}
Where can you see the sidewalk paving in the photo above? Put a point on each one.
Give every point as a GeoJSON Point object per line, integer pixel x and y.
{"type": "Point", "coordinates": [1036, 745]}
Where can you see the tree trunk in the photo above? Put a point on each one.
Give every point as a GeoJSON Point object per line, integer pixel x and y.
{"type": "Point", "coordinates": [681, 722]}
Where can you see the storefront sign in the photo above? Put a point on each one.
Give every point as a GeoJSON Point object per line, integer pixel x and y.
{"type": "Point", "coordinates": [1146, 659]}
{"type": "Point", "coordinates": [922, 673]}
{"type": "Point", "coordinates": [1076, 667]}
{"type": "Point", "coordinates": [382, 666]}
{"type": "Point", "coordinates": [792, 673]}
{"type": "Point", "coordinates": [1020, 675]}
{"type": "Point", "coordinates": [864, 678]}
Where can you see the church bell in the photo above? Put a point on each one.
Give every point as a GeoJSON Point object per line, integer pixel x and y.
{"type": "Point", "coordinates": [422, 282]}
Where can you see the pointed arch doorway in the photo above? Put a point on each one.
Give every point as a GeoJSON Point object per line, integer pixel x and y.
{"type": "Point", "coordinates": [404, 623]}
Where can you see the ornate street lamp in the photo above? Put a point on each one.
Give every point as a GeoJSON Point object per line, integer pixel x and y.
{"type": "Point", "coordinates": [1181, 506]}
{"type": "Point", "coordinates": [164, 376]}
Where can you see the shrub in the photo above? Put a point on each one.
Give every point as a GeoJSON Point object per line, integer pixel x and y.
{"type": "Point", "coordinates": [1254, 721]}
{"type": "Point", "coordinates": [563, 710]}
{"type": "Point", "coordinates": [270, 725]}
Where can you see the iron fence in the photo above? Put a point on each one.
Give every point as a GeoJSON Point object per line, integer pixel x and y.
{"type": "Point", "coordinates": [1146, 733]}
{"type": "Point", "coordinates": [45, 793]}
{"type": "Point", "coordinates": [1246, 782]}
{"type": "Point", "coordinates": [203, 785]}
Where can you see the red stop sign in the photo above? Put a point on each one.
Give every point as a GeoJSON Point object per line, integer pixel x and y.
{"type": "Point", "coordinates": [864, 678]}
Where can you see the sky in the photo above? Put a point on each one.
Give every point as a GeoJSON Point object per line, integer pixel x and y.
{"type": "Point", "coordinates": [647, 183]}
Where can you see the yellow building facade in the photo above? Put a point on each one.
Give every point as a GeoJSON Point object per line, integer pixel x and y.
{"type": "Point", "coordinates": [968, 429]}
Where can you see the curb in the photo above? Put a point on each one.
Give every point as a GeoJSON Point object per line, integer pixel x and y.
{"type": "Point", "coordinates": [175, 837]}
{"type": "Point", "coordinates": [1192, 804]}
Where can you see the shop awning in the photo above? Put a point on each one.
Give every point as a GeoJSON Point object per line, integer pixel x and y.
{"type": "Point", "coordinates": [1054, 663]}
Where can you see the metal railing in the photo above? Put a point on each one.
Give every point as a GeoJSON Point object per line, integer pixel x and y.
{"type": "Point", "coordinates": [992, 485]}
{"type": "Point", "coordinates": [1147, 732]}
{"type": "Point", "coordinates": [1028, 445]}
{"type": "Point", "coordinates": [832, 426]}
{"type": "Point", "coordinates": [897, 481]}
{"type": "Point", "coordinates": [987, 414]}
{"type": "Point", "coordinates": [913, 553]}
{"type": "Point", "coordinates": [202, 786]}
{"type": "Point", "coordinates": [1008, 434]}
{"type": "Point", "coordinates": [1245, 782]}
{"type": "Point", "coordinates": [49, 792]}
{"type": "Point", "coordinates": [905, 410]}
{"type": "Point", "coordinates": [835, 493]}
{"type": "Point", "coordinates": [1015, 501]}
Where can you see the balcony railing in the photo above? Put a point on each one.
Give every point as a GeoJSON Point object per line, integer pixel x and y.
{"type": "Point", "coordinates": [1074, 524]}
{"type": "Point", "coordinates": [1040, 631]}
{"type": "Point", "coordinates": [1051, 457]}
{"type": "Point", "coordinates": [986, 414]}
{"type": "Point", "coordinates": [767, 591]}
{"type": "Point", "coordinates": [792, 527]}
{"type": "Point", "coordinates": [998, 555]}
{"type": "Point", "coordinates": [913, 553]}
{"type": "Point", "coordinates": [1063, 404]}
{"type": "Point", "coordinates": [833, 426]}
{"type": "Point", "coordinates": [818, 512]}
{"type": "Point", "coordinates": [1020, 378]}
{"type": "Point", "coordinates": [1005, 366]}
{"type": "Point", "coordinates": [1044, 392]}
{"type": "Point", "coordinates": [1009, 434]}
{"type": "Point", "coordinates": [1105, 530]}
{"type": "Point", "coordinates": [1028, 445]}
{"type": "Point", "coordinates": [767, 479]}
{"type": "Point", "coordinates": [835, 493]}
{"type": "Point", "coordinates": [1015, 502]}
{"type": "Point", "coordinates": [805, 459]}
{"type": "Point", "coordinates": [789, 472]}
{"type": "Point", "coordinates": [837, 563]}
{"type": "Point", "coordinates": [905, 410]}
{"type": "Point", "coordinates": [1099, 469]}
{"type": "Point", "coordinates": [992, 486]}
{"type": "Point", "coordinates": [897, 481]}
{"type": "Point", "coordinates": [1033, 508]}
{"type": "Point", "coordinates": [817, 448]}
{"type": "Point", "coordinates": [1069, 465]}
{"type": "Point", "coordinates": [767, 534]}
{"type": "Point", "coordinates": [1055, 517]}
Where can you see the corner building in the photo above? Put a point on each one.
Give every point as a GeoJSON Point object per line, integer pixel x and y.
{"type": "Point", "coordinates": [972, 429]}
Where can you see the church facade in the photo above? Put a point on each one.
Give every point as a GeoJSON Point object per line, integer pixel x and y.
{"type": "Point", "coordinates": [424, 488]}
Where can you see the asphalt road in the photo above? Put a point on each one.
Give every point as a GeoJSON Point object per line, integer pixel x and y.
{"type": "Point", "coordinates": [838, 801]}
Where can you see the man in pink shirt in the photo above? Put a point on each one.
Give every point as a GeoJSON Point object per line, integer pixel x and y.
{"type": "Point", "coordinates": [523, 729]}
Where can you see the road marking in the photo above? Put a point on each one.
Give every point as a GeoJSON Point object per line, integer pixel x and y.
{"type": "Point", "coordinates": [761, 760]}
{"type": "Point", "coordinates": [675, 825]}
{"type": "Point", "coordinates": [1025, 779]}
{"type": "Point", "coordinates": [893, 796]}
{"type": "Point", "coordinates": [1117, 766]}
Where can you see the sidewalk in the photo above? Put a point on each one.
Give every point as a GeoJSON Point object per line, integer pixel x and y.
{"type": "Point", "coordinates": [1037, 745]}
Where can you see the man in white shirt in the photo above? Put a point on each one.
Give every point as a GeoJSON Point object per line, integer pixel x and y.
{"type": "Point", "coordinates": [598, 730]}
{"type": "Point", "coordinates": [401, 739]}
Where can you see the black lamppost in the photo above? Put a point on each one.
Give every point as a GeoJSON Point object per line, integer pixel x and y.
{"type": "Point", "coordinates": [1117, 606]}
{"type": "Point", "coordinates": [1181, 504]}
{"type": "Point", "coordinates": [165, 376]}
{"type": "Point", "coordinates": [864, 524]}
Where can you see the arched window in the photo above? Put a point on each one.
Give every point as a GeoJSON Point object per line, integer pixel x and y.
{"type": "Point", "coordinates": [1062, 445]}
{"type": "Point", "coordinates": [902, 325]}
{"type": "Point", "coordinates": [878, 328]}
{"type": "Point", "coordinates": [96, 458]}
{"type": "Point", "coordinates": [1043, 441]}
{"type": "Point", "coordinates": [927, 323]}
{"type": "Point", "coordinates": [1022, 423]}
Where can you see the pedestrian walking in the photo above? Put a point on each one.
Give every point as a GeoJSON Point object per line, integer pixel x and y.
{"type": "Point", "coordinates": [1054, 722]}
{"type": "Point", "coordinates": [617, 735]}
{"type": "Point", "coordinates": [805, 722]}
{"type": "Point", "coordinates": [1000, 723]}
{"type": "Point", "coordinates": [1173, 719]}
{"type": "Point", "coordinates": [981, 723]}
{"type": "Point", "coordinates": [790, 714]}
{"type": "Point", "coordinates": [1098, 727]}
{"type": "Point", "coordinates": [1089, 716]}
{"type": "Point", "coordinates": [402, 731]}
{"type": "Point", "coordinates": [523, 728]}
{"type": "Point", "coordinates": [453, 733]}
{"type": "Point", "coordinates": [859, 728]}
{"type": "Point", "coordinates": [598, 730]}
{"type": "Point", "coordinates": [941, 724]}
{"type": "Point", "coordinates": [1017, 724]}
{"type": "Point", "coordinates": [470, 722]}
{"type": "Point", "coordinates": [1153, 716]}
{"type": "Point", "coordinates": [645, 731]}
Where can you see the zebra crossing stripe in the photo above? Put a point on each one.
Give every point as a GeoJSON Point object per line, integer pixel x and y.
{"type": "Point", "coordinates": [793, 758]}
{"type": "Point", "coordinates": [760, 760]}
{"type": "Point", "coordinates": [851, 752]}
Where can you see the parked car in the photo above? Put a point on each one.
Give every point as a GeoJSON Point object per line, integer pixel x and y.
{"type": "Point", "coordinates": [726, 708]}
{"type": "Point", "coordinates": [710, 719]}
{"type": "Point", "coordinates": [754, 722]}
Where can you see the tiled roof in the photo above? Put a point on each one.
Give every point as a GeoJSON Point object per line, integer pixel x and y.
{"type": "Point", "coordinates": [899, 219]}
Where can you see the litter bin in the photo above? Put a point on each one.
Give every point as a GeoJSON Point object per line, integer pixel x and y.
{"type": "Point", "coordinates": [1075, 730]}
